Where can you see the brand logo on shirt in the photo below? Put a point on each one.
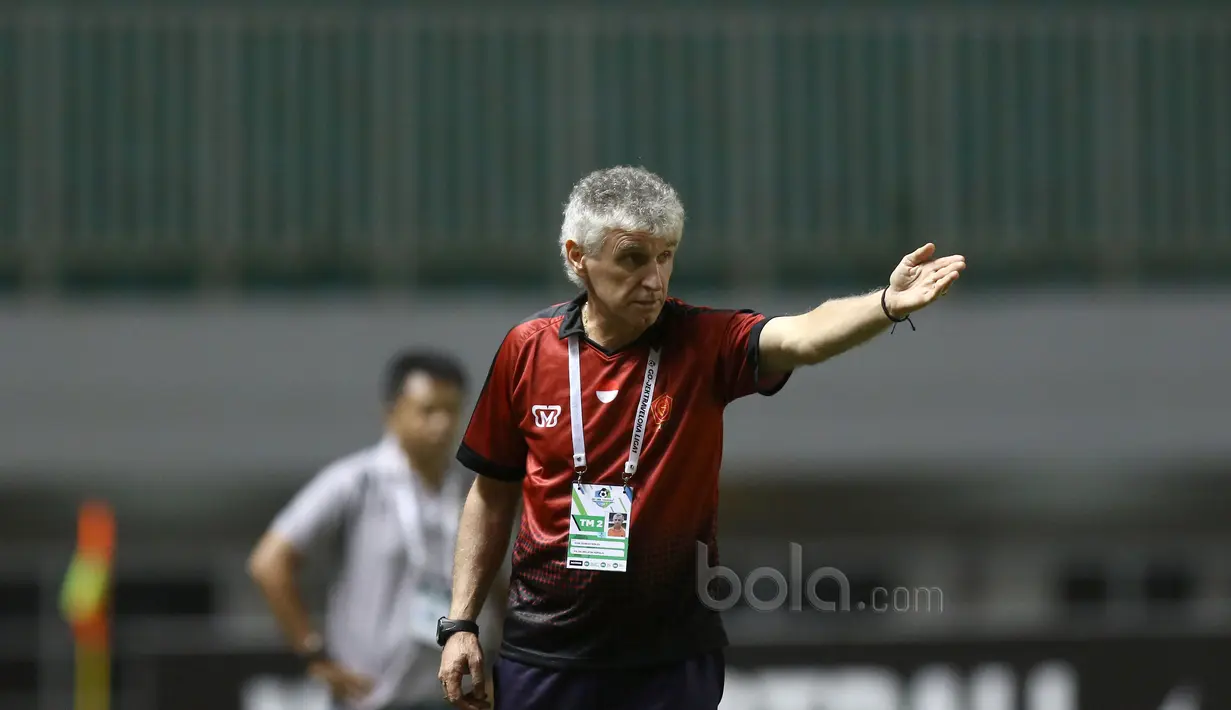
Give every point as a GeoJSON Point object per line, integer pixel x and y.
{"type": "Point", "coordinates": [546, 416]}
{"type": "Point", "coordinates": [606, 396]}
{"type": "Point", "coordinates": [661, 408]}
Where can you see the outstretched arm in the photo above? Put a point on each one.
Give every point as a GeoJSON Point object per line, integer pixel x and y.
{"type": "Point", "coordinates": [843, 323]}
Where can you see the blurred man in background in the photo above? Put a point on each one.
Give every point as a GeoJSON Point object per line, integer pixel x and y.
{"type": "Point", "coordinates": [392, 509]}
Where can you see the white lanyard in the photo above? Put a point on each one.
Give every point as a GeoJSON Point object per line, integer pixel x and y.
{"type": "Point", "coordinates": [643, 410]}
{"type": "Point", "coordinates": [406, 502]}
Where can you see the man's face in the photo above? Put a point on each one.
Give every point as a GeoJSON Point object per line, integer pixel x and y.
{"type": "Point", "coordinates": [630, 275]}
{"type": "Point", "coordinates": [427, 415]}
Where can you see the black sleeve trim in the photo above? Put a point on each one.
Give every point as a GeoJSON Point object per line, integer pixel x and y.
{"type": "Point", "coordinates": [754, 359]}
{"type": "Point", "coordinates": [472, 460]}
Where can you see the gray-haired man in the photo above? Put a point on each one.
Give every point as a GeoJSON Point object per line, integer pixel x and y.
{"type": "Point", "coordinates": [604, 415]}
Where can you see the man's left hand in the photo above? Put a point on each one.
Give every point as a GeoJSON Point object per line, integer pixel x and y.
{"type": "Point", "coordinates": [921, 278]}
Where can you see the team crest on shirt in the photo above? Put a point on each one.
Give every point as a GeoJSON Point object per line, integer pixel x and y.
{"type": "Point", "coordinates": [661, 409]}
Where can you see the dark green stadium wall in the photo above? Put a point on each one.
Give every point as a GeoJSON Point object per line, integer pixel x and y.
{"type": "Point", "coordinates": [296, 145]}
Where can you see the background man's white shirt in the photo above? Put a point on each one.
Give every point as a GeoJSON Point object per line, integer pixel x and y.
{"type": "Point", "coordinates": [367, 628]}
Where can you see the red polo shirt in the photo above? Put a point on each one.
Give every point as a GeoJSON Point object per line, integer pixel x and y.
{"type": "Point", "coordinates": [520, 431]}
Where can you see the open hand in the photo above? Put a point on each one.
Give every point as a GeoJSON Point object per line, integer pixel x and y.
{"type": "Point", "coordinates": [921, 278]}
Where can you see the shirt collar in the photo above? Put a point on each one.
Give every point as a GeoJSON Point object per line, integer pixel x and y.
{"type": "Point", "coordinates": [390, 458]}
{"type": "Point", "coordinates": [571, 324]}
{"type": "Point", "coordinates": [393, 464]}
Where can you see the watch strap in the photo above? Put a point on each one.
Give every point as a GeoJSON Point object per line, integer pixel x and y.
{"type": "Point", "coordinates": [447, 627]}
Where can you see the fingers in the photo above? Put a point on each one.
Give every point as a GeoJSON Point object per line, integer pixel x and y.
{"type": "Point", "coordinates": [452, 680]}
{"type": "Point", "coordinates": [354, 685]}
{"type": "Point", "coordinates": [942, 271]}
{"type": "Point", "coordinates": [942, 285]}
{"type": "Point", "coordinates": [342, 683]}
{"type": "Point", "coordinates": [468, 661]}
{"type": "Point", "coordinates": [478, 673]}
{"type": "Point", "coordinates": [476, 699]}
{"type": "Point", "coordinates": [356, 688]}
{"type": "Point", "coordinates": [920, 255]}
{"type": "Point", "coordinates": [957, 259]}
{"type": "Point", "coordinates": [924, 255]}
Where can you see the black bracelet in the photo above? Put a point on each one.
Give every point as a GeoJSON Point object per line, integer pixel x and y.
{"type": "Point", "coordinates": [885, 308]}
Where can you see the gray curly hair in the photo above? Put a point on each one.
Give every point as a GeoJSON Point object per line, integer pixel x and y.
{"type": "Point", "coordinates": [623, 197]}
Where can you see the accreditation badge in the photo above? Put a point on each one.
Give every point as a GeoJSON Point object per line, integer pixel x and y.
{"type": "Point", "coordinates": [598, 527]}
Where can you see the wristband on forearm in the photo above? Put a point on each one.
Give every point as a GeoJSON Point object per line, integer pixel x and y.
{"type": "Point", "coordinates": [885, 308]}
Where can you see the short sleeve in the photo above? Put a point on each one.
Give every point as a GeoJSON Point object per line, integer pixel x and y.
{"type": "Point", "coordinates": [739, 372]}
{"type": "Point", "coordinates": [494, 445]}
{"type": "Point", "coordinates": [320, 507]}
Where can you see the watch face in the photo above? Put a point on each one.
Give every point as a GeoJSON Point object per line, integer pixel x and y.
{"type": "Point", "coordinates": [446, 628]}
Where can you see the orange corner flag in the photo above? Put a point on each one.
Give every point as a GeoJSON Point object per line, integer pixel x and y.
{"type": "Point", "coordinates": [85, 602]}
{"type": "Point", "coordinates": [84, 597]}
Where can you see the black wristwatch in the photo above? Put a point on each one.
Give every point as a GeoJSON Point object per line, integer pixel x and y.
{"type": "Point", "coordinates": [447, 627]}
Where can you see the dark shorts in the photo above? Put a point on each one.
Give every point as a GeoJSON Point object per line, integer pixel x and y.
{"type": "Point", "coordinates": [428, 705]}
{"type": "Point", "coordinates": [692, 685]}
